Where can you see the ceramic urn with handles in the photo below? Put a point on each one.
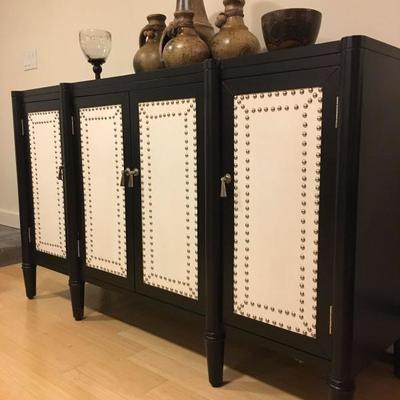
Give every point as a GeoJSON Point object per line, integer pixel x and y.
{"type": "Point", "coordinates": [186, 47]}
{"type": "Point", "coordinates": [234, 38]}
{"type": "Point", "coordinates": [148, 58]}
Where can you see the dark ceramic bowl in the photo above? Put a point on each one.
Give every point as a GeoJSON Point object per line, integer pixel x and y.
{"type": "Point", "coordinates": [290, 27]}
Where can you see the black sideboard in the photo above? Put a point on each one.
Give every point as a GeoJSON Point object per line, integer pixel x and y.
{"type": "Point", "coordinates": [261, 192]}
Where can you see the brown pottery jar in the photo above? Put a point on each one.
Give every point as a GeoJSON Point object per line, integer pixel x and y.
{"type": "Point", "coordinates": [186, 46]}
{"type": "Point", "coordinates": [200, 19]}
{"type": "Point", "coordinates": [147, 58]}
{"type": "Point", "coordinates": [234, 38]}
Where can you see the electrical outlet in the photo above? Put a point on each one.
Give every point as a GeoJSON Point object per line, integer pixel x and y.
{"type": "Point", "coordinates": [30, 59]}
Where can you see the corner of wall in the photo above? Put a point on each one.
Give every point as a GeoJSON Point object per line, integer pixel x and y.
{"type": "Point", "coordinates": [9, 218]}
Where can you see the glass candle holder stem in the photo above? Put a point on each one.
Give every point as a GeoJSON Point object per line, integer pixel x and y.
{"type": "Point", "coordinates": [97, 63]}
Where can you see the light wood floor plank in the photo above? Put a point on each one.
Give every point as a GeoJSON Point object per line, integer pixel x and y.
{"type": "Point", "coordinates": [132, 349]}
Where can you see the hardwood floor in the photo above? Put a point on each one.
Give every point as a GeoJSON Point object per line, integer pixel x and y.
{"type": "Point", "coordinates": [130, 349]}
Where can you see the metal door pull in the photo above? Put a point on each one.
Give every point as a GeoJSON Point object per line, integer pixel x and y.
{"type": "Point", "coordinates": [127, 173]}
{"type": "Point", "coordinates": [60, 175]}
{"type": "Point", "coordinates": [225, 180]}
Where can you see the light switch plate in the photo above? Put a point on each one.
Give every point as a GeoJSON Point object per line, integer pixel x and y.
{"type": "Point", "coordinates": [30, 59]}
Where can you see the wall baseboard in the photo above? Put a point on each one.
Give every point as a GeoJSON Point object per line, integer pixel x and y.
{"type": "Point", "coordinates": [9, 218]}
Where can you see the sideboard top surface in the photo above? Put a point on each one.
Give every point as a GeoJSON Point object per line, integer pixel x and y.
{"type": "Point", "coordinates": [283, 60]}
{"type": "Point", "coordinates": [322, 49]}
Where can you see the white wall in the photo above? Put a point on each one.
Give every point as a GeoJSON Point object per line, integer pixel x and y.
{"type": "Point", "coordinates": [51, 26]}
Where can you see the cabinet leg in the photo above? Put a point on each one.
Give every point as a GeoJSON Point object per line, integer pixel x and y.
{"type": "Point", "coordinates": [215, 358]}
{"type": "Point", "coordinates": [29, 271]}
{"type": "Point", "coordinates": [396, 358]}
{"type": "Point", "coordinates": [77, 290]}
{"type": "Point", "coordinates": [339, 390]}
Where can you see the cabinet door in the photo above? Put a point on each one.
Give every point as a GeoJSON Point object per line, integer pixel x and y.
{"type": "Point", "coordinates": [47, 187]}
{"type": "Point", "coordinates": [170, 139]}
{"type": "Point", "coordinates": [280, 151]}
{"type": "Point", "coordinates": [104, 154]}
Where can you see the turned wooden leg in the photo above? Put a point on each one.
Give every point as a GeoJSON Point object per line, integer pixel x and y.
{"type": "Point", "coordinates": [77, 289]}
{"type": "Point", "coordinates": [396, 356]}
{"type": "Point", "coordinates": [215, 345]}
{"type": "Point", "coordinates": [29, 271]}
{"type": "Point", "coordinates": [339, 390]}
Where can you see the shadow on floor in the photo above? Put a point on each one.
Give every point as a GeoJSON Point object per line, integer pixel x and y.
{"type": "Point", "coordinates": [241, 350]}
{"type": "Point", "coordinates": [10, 246]}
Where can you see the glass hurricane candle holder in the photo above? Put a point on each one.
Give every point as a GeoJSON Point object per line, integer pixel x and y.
{"type": "Point", "coordinates": [96, 46]}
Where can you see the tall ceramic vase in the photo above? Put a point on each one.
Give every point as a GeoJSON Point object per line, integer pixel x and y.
{"type": "Point", "coordinates": [200, 20]}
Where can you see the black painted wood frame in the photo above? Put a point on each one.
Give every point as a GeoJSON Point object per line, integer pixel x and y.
{"type": "Point", "coordinates": [45, 99]}
{"type": "Point", "coordinates": [361, 277]}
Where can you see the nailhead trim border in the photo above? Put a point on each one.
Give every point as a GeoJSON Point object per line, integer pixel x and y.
{"type": "Point", "coordinates": [246, 306]}
{"type": "Point", "coordinates": [111, 117]}
{"type": "Point", "coordinates": [185, 110]}
{"type": "Point", "coordinates": [55, 246]}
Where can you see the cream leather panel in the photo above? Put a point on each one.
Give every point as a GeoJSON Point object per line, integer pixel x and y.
{"type": "Point", "coordinates": [104, 199]}
{"type": "Point", "coordinates": [48, 191]}
{"type": "Point", "coordinates": [168, 153]}
{"type": "Point", "coordinates": [277, 152]}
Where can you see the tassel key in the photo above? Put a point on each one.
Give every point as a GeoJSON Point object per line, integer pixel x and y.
{"type": "Point", "coordinates": [127, 173]}
{"type": "Point", "coordinates": [225, 180]}
{"type": "Point", "coordinates": [123, 177]}
{"type": "Point", "coordinates": [131, 175]}
{"type": "Point", "coordinates": [60, 175]}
